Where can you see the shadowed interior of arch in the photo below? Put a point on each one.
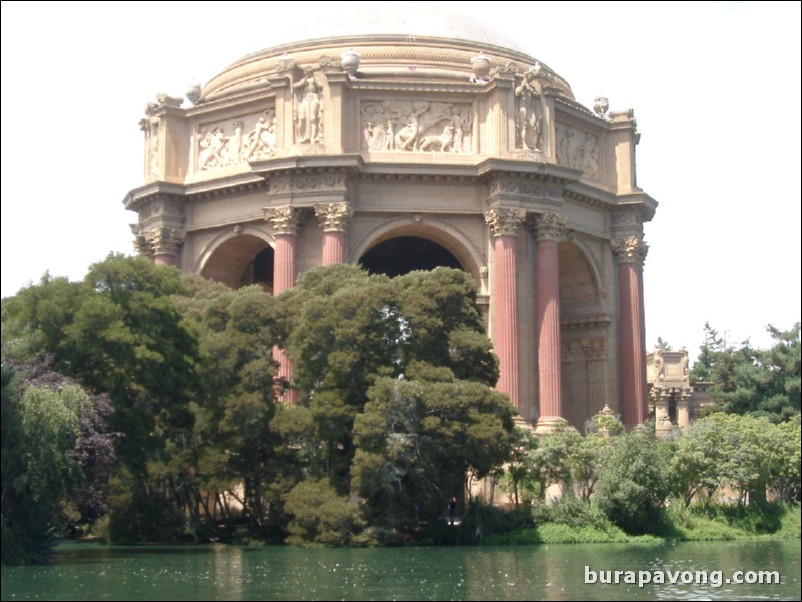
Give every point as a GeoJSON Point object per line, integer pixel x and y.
{"type": "Point", "coordinates": [404, 254]}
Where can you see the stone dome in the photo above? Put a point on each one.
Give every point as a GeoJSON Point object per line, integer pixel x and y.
{"type": "Point", "coordinates": [385, 37]}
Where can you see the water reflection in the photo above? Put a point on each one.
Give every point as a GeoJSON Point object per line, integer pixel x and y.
{"type": "Point", "coordinates": [549, 572]}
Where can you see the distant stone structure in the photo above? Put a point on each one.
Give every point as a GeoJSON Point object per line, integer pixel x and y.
{"type": "Point", "coordinates": [428, 141]}
{"type": "Point", "coordinates": [672, 400]}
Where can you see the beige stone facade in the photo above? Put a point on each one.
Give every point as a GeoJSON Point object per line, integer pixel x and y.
{"type": "Point", "coordinates": [400, 152]}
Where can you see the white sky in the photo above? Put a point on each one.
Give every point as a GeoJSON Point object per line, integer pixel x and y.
{"type": "Point", "coordinates": [715, 87]}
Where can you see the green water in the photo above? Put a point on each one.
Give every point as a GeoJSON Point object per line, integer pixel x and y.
{"type": "Point", "coordinates": [548, 572]}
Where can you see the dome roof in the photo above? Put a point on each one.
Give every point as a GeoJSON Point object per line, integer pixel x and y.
{"type": "Point", "coordinates": [337, 20]}
{"type": "Point", "coordinates": [386, 34]}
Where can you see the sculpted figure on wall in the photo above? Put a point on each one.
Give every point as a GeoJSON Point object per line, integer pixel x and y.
{"type": "Point", "coordinates": [213, 146]}
{"type": "Point", "coordinates": [262, 138]}
{"type": "Point", "coordinates": [250, 138]}
{"type": "Point", "coordinates": [578, 150]}
{"type": "Point", "coordinates": [309, 112]}
{"type": "Point", "coordinates": [528, 93]}
{"type": "Point", "coordinates": [416, 125]}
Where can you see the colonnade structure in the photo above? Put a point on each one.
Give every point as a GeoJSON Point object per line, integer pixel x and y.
{"type": "Point", "coordinates": [398, 152]}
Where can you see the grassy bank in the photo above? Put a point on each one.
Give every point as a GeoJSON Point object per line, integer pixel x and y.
{"type": "Point", "coordinates": [696, 523]}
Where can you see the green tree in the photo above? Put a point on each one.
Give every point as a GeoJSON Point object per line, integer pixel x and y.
{"type": "Point", "coordinates": [347, 329]}
{"type": "Point", "coordinates": [634, 482]}
{"type": "Point", "coordinates": [56, 458]}
{"type": "Point", "coordinates": [421, 438]}
{"type": "Point", "coordinates": [759, 382]}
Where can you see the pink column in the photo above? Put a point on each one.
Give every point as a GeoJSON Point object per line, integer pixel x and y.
{"type": "Point", "coordinates": [334, 218]}
{"type": "Point", "coordinates": [504, 224]}
{"type": "Point", "coordinates": [632, 339]}
{"type": "Point", "coordinates": [284, 221]}
{"type": "Point", "coordinates": [550, 227]}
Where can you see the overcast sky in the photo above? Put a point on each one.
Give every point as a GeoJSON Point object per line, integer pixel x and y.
{"type": "Point", "coordinates": [715, 88]}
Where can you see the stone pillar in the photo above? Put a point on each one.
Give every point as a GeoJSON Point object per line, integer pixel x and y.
{"type": "Point", "coordinates": [164, 243]}
{"type": "Point", "coordinates": [334, 219]}
{"type": "Point", "coordinates": [631, 252]}
{"type": "Point", "coordinates": [284, 222]}
{"type": "Point", "coordinates": [683, 413]}
{"type": "Point", "coordinates": [504, 223]}
{"type": "Point", "coordinates": [662, 421]}
{"type": "Point", "coordinates": [550, 227]}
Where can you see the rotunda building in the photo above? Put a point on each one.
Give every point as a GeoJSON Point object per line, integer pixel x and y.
{"type": "Point", "coordinates": [411, 144]}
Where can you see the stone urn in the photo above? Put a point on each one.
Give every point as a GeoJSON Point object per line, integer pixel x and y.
{"type": "Point", "coordinates": [481, 67]}
{"type": "Point", "coordinates": [349, 62]}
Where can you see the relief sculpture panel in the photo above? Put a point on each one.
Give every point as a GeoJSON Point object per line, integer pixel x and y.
{"type": "Point", "coordinates": [249, 138]}
{"type": "Point", "coordinates": [578, 150]}
{"type": "Point", "coordinates": [402, 125]}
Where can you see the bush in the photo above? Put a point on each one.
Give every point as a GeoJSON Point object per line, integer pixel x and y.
{"type": "Point", "coordinates": [633, 484]}
{"type": "Point", "coordinates": [321, 517]}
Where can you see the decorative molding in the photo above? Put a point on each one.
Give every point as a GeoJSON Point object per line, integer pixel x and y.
{"type": "Point", "coordinates": [504, 221]}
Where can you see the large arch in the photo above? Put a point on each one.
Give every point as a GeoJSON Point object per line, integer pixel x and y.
{"type": "Point", "coordinates": [584, 378]}
{"type": "Point", "coordinates": [239, 259]}
{"type": "Point", "coordinates": [449, 238]}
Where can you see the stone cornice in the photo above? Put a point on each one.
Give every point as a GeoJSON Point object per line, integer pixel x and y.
{"type": "Point", "coordinates": [568, 322]}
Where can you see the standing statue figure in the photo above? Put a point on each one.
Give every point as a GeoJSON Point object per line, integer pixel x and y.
{"type": "Point", "coordinates": [529, 120]}
{"type": "Point", "coordinates": [309, 110]}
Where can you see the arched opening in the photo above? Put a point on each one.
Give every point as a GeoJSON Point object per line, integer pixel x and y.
{"type": "Point", "coordinates": [404, 254]}
{"type": "Point", "coordinates": [241, 261]}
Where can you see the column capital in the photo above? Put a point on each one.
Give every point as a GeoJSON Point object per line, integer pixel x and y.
{"type": "Point", "coordinates": [283, 220]}
{"type": "Point", "coordinates": [550, 226]}
{"type": "Point", "coordinates": [631, 249]}
{"type": "Point", "coordinates": [334, 217]}
{"type": "Point", "coordinates": [165, 241]}
{"type": "Point", "coordinates": [504, 221]}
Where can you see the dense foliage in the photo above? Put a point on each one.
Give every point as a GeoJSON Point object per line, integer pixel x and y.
{"type": "Point", "coordinates": [146, 404]}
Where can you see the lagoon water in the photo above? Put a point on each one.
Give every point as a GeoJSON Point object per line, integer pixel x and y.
{"type": "Point", "coordinates": [545, 572]}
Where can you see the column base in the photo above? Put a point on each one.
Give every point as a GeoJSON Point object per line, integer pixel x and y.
{"type": "Point", "coordinates": [551, 424]}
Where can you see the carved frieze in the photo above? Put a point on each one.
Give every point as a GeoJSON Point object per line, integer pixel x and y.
{"type": "Point", "coordinates": [283, 220]}
{"type": "Point", "coordinates": [578, 150]}
{"type": "Point", "coordinates": [161, 206]}
{"type": "Point", "coordinates": [504, 221]}
{"type": "Point", "coordinates": [248, 138]}
{"type": "Point", "coordinates": [584, 349]}
{"type": "Point", "coordinates": [631, 249]}
{"type": "Point", "coordinates": [334, 217]}
{"type": "Point", "coordinates": [395, 125]}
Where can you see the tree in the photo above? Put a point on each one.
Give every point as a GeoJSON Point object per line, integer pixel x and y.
{"type": "Point", "coordinates": [755, 381]}
{"type": "Point", "coordinates": [56, 459]}
{"type": "Point", "coordinates": [348, 329]}
{"type": "Point", "coordinates": [421, 438]}
{"type": "Point", "coordinates": [633, 483]}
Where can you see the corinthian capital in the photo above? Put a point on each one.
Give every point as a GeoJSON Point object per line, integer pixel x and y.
{"type": "Point", "coordinates": [504, 221]}
{"type": "Point", "coordinates": [283, 220]}
{"type": "Point", "coordinates": [334, 217]}
{"type": "Point", "coordinates": [631, 249]}
{"type": "Point", "coordinates": [551, 226]}
{"type": "Point", "coordinates": [165, 241]}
